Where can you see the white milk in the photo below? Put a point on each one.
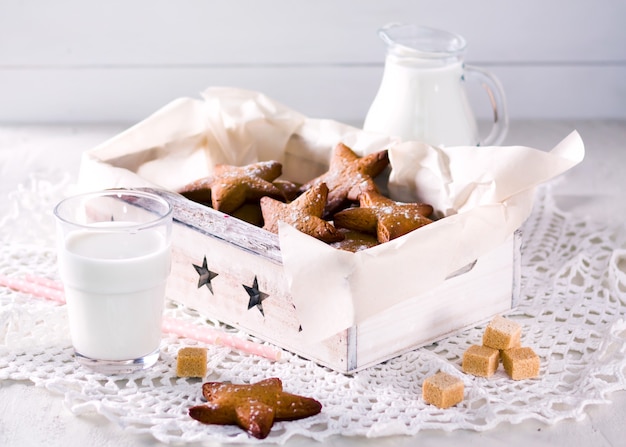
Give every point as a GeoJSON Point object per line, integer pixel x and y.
{"type": "Point", "coordinates": [421, 103]}
{"type": "Point", "coordinates": [115, 288]}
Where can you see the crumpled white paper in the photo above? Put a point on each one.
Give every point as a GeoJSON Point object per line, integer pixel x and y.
{"type": "Point", "coordinates": [485, 194]}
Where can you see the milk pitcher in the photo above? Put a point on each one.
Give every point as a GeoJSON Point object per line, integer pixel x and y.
{"type": "Point", "coordinates": [422, 94]}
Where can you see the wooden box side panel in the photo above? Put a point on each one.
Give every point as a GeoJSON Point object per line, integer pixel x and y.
{"type": "Point", "coordinates": [460, 302]}
{"type": "Point", "coordinates": [245, 290]}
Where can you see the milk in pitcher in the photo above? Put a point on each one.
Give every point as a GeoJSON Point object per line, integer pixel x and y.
{"type": "Point", "coordinates": [424, 104]}
{"type": "Point", "coordinates": [422, 94]}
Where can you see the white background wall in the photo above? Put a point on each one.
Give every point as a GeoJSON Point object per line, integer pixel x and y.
{"type": "Point", "coordinates": [119, 60]}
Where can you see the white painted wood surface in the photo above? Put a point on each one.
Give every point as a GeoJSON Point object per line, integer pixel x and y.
{"type": "Point", "coordinates": [86, 61]}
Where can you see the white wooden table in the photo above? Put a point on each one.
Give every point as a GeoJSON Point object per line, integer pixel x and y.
{"type": "Point", "coordinates": [35, 416]}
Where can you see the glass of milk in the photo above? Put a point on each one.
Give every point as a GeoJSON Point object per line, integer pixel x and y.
{"type": "Point", "coordinates": [114, 259]}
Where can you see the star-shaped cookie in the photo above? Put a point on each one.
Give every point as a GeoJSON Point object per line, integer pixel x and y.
{"type": "Point", "coordinates": [304, 213]}
{"type": "Point", "coordinates": [348, 175]}
{"type": "Point", "coordinates": [230, 186]}
{"type": "Point", "coordinates": [253, 407]}
{"type": "Point", "coordinates": [383, 217]}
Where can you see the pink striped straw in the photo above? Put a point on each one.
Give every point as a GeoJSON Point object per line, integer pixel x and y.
{"type": "Point", "coordinates": [37, 289]}
{"type": "Point", "coordinates": [50, 283]}
{"type": "Point", "coordinates": [53, 290]}
{"type": "Point", "coordinates": [219, 338]}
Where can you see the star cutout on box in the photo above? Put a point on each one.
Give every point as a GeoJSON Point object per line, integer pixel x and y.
{"type": "Point", "coordinates": [256, 296]}
{"type": "Point", "coordinates": [229, 187]}
{"type": "Point", "coordinates": [384, 217]}
{"type": "Point", "coordinates": [304, 214]}
{"type": "Point", "coordinates": [253, 407]}
{"type": "Point", "coordinates": [348, 175]}
{"type": "Point", "coordinates": [206, 275]}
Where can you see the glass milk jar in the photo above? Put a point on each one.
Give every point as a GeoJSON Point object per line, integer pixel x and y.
{"type": "Point", "coordinates": [422, 94]}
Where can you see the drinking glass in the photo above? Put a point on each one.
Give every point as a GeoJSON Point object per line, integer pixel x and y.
{"type": "Point", "coordinates": [114, 260]}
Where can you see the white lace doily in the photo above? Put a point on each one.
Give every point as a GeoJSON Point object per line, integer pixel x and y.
{"type": "Point", "coordinates": [572, 310]}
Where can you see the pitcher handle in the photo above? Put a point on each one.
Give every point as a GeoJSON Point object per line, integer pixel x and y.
{"type": "Point", "coordinates": [494, 90]}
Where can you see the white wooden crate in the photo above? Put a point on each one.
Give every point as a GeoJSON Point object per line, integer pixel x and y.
{"type": "Point", "coordinates": [242, 255]}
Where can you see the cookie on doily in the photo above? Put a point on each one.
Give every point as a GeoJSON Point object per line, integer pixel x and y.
{"type": "Point", "coordinates": [348, 175]}
{"type": "Point", "coordinates": [385, 218]}
{"type": "Point", "coordinates": [304, 213]}
{"type": "Point", "coordinates": [229, 187]}
{"type": "Point", "coordinates": [253, 407]}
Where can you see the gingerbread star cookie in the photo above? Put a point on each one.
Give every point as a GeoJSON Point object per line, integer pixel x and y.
{"type": "Point", "coordinates": [253, 407]}
{"type": "Point", "coordinates": [304, 213]}
{"type": "Point", "coordinates": [355, 240]}
{"type": "Point", "coordinates": [383, 217]}
{"type": "Point", "coordinates": [230, 186]}
{"type": "Point", "coordinates": [348, 175]}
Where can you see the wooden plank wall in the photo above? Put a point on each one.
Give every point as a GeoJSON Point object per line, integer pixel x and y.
{"type": "Point", "coordinates": [119, 60]}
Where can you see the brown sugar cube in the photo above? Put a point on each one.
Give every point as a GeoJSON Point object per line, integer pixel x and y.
{"type": "Point", "coordinates": [520, 363]}
{"type": "Point", "coordinates": [502, 333]}
{"type": "Point", "coordinates": [191, 362]}
{"type": "Point", "coordinates": [443, 390]}
{"type": "Point", "coordinates": [480, 360]}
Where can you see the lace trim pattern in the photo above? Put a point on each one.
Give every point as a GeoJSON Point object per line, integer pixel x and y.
{"type": "Point", "coordinates": [572, 312]}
